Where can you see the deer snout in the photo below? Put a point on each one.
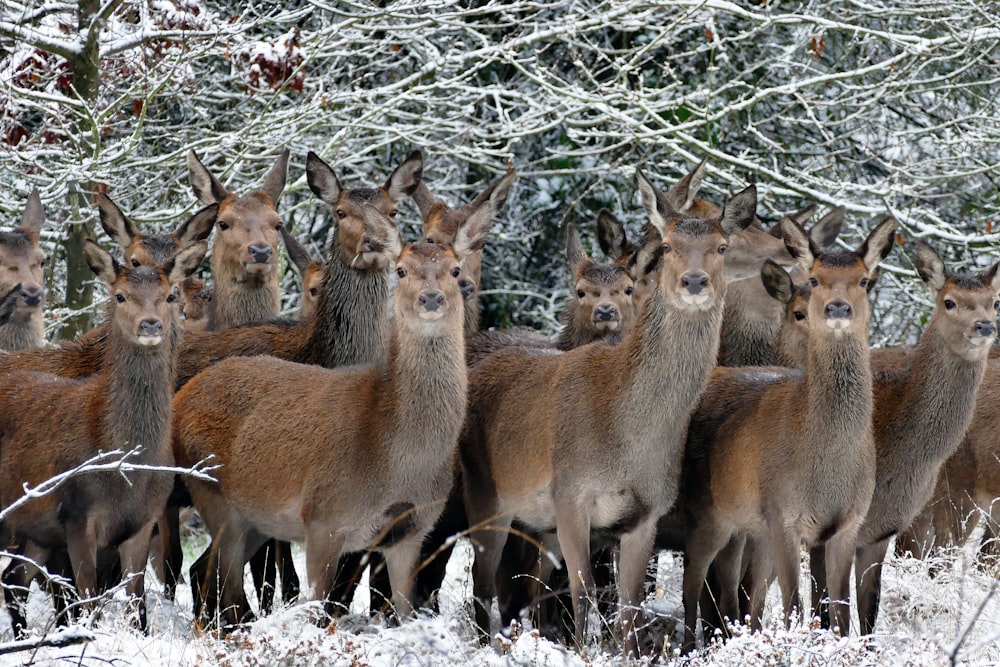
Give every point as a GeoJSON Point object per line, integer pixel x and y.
{"type": "Point", "coordinates": [430, 301]}
{"type": "Point", "coordinates": [150, 331]}
{"type": "Point", "coordinates": [31, 295]}
{"type": "Point", "coordinates": [260, 253]}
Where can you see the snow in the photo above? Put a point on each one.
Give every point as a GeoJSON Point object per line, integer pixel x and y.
{"type": "Point", "coordinates": [927, 606]}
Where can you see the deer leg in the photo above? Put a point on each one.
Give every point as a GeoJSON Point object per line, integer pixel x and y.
{"type": "Point", "coordinates": [134, 554]}
{"type": "Point", "coordinates": [573, 531]}
{"type": "Point", "coordinates": [701, 548]}
{"type": "Point", "coordinates": [633, 557]}
{"type": "Point", "coordinates": [868, 576]}
{"type": "Point", "coordinates": [785, 552]}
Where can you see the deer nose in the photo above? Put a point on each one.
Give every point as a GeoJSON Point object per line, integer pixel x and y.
{"type": "Point", "coordinates": [431, 300]}
{"type": "Point", "coordinates": [260, 252]}
{"type": "Point", "coordinates": [694, 281]}
{"type": "Point", "coordinates": [32, 295]}
{"type": "Point", "coordinates": [150, 327]}
{"type": "Point", "coordinates": [838, 310]}
{"type": "Point", "coordinates": [985, 328]}
{"type": "Point", "coordinates": [605, 312]}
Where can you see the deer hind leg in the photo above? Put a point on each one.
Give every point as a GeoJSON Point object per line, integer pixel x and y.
{"type": "Point", "coordinates": [633, 558]}
{"type": "Point", "coordinates": [134, 553]}
{"type": "Point", "coordinates": [868, 576]}
{"type": "Point", "coordinates": [17, 577]}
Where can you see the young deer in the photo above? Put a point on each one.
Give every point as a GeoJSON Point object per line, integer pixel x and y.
{"type": "Point", "coordinates": [374, 475]}
{"type": "Point", "coordinates": [21, 265]}
{"type": "Point", "coordinates": [244, 253]}
{"type": "Point", "coordinates": [598, 431]}
{"type": "Point", "coordinates": [310, 271]}
{"type": "Point", "coordinates": [805, 478]}
{"type": "Point", "coordinates": [125, 406]}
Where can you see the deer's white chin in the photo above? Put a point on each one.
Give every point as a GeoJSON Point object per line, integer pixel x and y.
{"type": "Point", "coordinates": [150, 341]}
{"type": "Point", "coordinates": [431, 315]}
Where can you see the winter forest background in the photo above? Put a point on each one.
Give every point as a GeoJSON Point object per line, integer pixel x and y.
{"type": "Point", "coordinates": [879, 106]}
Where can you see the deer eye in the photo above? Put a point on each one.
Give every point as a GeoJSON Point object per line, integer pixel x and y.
{"type": "Point", "coordinates": [723, 249]}
{"type": "Point", "coordinates": [628, 291]}
{"type": "Point", "coordinates": [799, 315]}
{"type": "Point", "coordinates": [120, 298]}
{"type": "Point", "coordinates": [401, 272]}
{"type": "Point", "coordinates": [341, 213]}
{"type": "Point", "coordinates": [580, 294]}
{"type": "Point", "coordinates": [456, 272]}
{"type": "Point", "coordinates": [814, 282]}
{"type": "Point", "coordinates": [949, 304]}
{"type": "Point", "coordinates": [223, 225]}
{"type": "Point", "coordinates": [135, 263]}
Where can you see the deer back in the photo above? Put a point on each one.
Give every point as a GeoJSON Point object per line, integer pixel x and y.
{"type": "Point", "coordinates": [21, 261]}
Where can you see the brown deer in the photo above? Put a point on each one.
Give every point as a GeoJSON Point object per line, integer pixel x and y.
{"type": "Point", "coordinates": [598, 431]}
{"type": "Point", "coordinates": [804, 477]}
{"type": "Point", "coordinates": [125, 406]}
{"type": "Point", "coordinates": [309, 269]}
{"type": "Point", "coordinates": [21, 263]}
{"type": "Point", "coordinates": [244, 253]}
{"type": "Point", "coordinates": [441, 223]}
{"type": "Point", "coordinates": [372, 445]}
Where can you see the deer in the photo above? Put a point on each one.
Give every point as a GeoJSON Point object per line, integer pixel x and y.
{"type": "Point", "coordinates": [124, 406]}
{"type": "Point", "coordinates": [308, 268]}
{"type": "Point", "coordinates": [372, 445]}
{"type": "Point", "coordinates": [350, 324]}
{"type": "Point", "coordinates": [598, 430]}
{"type": "Point", "coordinates": [21, 261]}
{"type": "Point", "coordinates": [244, 252]}
{"type": "Point", "coordinates": [807, 478]}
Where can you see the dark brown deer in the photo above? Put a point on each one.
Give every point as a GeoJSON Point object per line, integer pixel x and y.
{"type": "Point", "coordinates": [245, 249]}
{"type": "Point", "coordinates": [125, 406]}
{"type": "Point", "coordinates": [21, 263]}
{"type": "Point", "coordinates": [805, 476]}
{"type": "Point", "coordinates": [309, 269]}
{"type": "Point", "coordinates": [598, 431]}
{"type": "Point", "coordinates": [372, 447]}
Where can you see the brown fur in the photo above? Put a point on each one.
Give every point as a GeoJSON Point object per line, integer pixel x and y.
{"type": "Point", "coordinates": [597, 430]}
{"type": "Point", "coordinates": [372, 445]}
{"type": "Point", "coordinates": [125, 406]}
{"type": "Point", "coordinates": [21, 263]}
{"type": "Point", "coordinates": [750, 473]}
{"type": "Point", "coordinates": [245, 249]}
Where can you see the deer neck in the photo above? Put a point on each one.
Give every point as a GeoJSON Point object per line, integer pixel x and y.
{"type": "Point", "coordinates": [139, 385]}
{"type": "Point", "coordinates": [22, 333]}
{"type": "Point", "coordinates": [839, 398]}
{"type": "Point", "coordinates": [350, 325]}
{"type": "Point", "coordinates": [940, 397]}
{"type": "Point", "coordinates": [240, 302]}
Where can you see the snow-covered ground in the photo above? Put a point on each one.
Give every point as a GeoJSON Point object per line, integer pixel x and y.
{"type": "Point", "coordinates": [927, 610]}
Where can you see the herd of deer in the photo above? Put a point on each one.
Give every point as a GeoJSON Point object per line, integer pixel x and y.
{"type": "Point", "coordinates": [659, 419]}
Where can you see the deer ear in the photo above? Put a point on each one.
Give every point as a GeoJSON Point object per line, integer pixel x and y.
{"type": "Point", "coordinates": [683, 194]}
{"type": "Point", "coordinates": [321, 179]}
{"type": "Point", "coordinates": [798, 244]}
{"type": "Point", "coordinates": [113, 221]}
{"type": "Point", "coordinates": [658, 208]}
{"type": "Point", "coordinates": [101, 262]}
{"type": "Point", "coordinates": [207, 187]}
{"type": "Point", "coordinates": [404, 180]}
{"type": "Point", "coordinates": [879, 243]}
{"type": "Point", "coordinates": [274, 180]}
{"type": "Point", "coordinates": [186, 262]}
{"type": "Point", "coordinates": [827, 229]}
{"type": "Point", "coordinates": [198, 226]}
{"type": "Point", "coordinates": [34, 216]}
{"type": "Point", "coordinates": [611, 235]}
{"type": "Point", "coordinates": [777, 282]}
{"type": "Point", "coordinates": [297, 252]}
{"type": "Point", "coordinates": [930, 266]}
{"type": "Point", "coordinates": [739, 211]}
